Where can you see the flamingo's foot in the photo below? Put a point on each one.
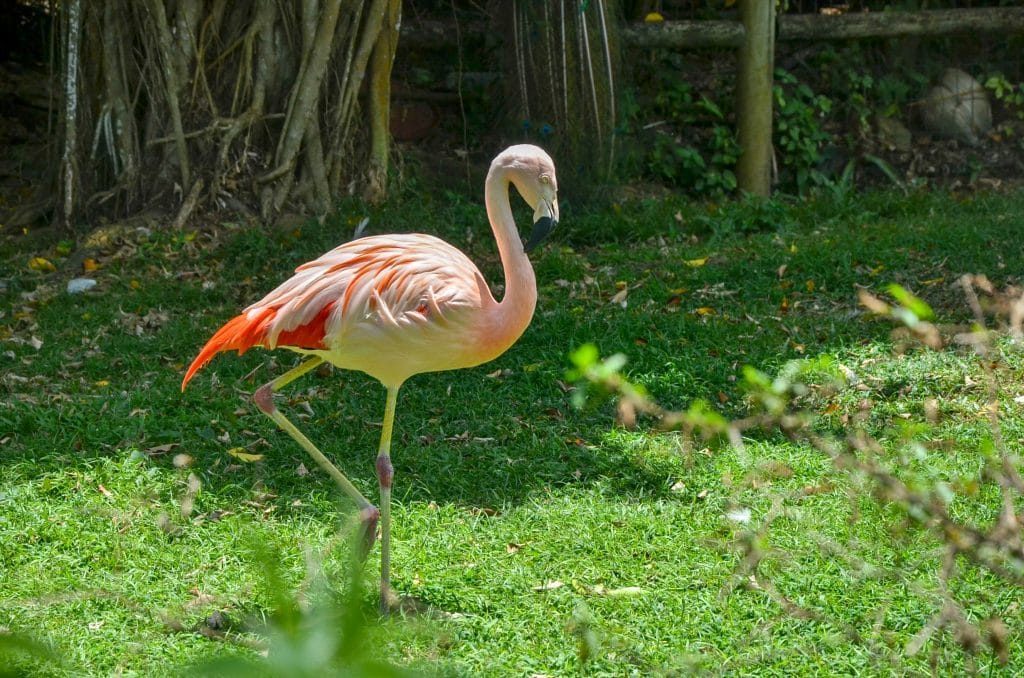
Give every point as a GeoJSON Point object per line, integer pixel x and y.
{"type": "Point", "coordinates": [411, 606]}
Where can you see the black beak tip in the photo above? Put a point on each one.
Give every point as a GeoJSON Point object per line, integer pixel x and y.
{"type": "Point", "coordinates": [541, 228]}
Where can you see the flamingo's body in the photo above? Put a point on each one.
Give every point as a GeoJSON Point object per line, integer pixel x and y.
{"type": "Point", "coordinates": [398, 305]}
{"type": "Point", "coordinates": [391, 306]}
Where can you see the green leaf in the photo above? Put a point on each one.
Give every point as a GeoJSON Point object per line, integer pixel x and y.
{"type": "Point", "coordinates": [585, 356]}
{"type": "Point", "coordinates": [915, 305]}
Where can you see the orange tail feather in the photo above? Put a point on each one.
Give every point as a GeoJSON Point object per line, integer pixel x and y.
{"type": "Point", "coordinates": [240, 333]}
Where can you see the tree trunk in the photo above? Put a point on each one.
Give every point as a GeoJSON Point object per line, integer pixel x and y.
{"type": "Point", "coordinates": [380, 102]}
{"type": "Point", "coordinates": [209, 104]}
{"type": "Point", "coordinates": [71, 93]}
{"type": "Point", "coordinates": [754, 97]}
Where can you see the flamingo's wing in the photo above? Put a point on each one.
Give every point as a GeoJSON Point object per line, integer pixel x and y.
{"type": "Point", "coordinates": [394, 279]}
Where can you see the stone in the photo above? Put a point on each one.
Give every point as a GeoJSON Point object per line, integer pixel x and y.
{"type": "Point", "coordinates": [958, 108]}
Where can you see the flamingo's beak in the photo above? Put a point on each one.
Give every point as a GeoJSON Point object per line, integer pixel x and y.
{"type": "Point", "coordinates": [545, 220]}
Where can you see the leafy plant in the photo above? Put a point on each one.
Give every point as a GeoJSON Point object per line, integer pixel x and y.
{"type": "Point", "coordinates": [675, 163]}
{"type": "Point", "coordinates": [799, 135]}
{"type": "Point", "coordinates": [675, 103]}
{"type": "Point", "coordinates": [924, 501]}
{"type": "Point", "coordinates": [704, 166]}
{"type": "Point", "coordinates": [861, 93]}
{"type": "Point", "coordinates": [19, 652]}
{"type": "Point", "coordinates": [1009, 94]}
{"type": "Point", "coordinates": [327, 637]}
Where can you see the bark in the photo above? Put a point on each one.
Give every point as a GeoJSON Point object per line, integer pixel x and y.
{"type": "Point", "coordinates": [380, 102]}
{"type": "Point", "coordinates": [684, 34]}
{"type": "Point", "coordinates": [231, 102]}
{"type": "Point", "coordinates": [171, 86]}
{"type": "Point", "coordinates": [754, 97]}
{"type": "Point", "coordinates": [901, 24]}
{"type": "Point", "coordinates": [303, 105]}
{"type": "Point", "coordinates": [71, 108]}
{"type": "Point", "coordinates": [791, 27]}
{"type": "Point", "coordinates": [123, 144]}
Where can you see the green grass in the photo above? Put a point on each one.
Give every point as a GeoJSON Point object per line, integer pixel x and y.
{"type": "Point", "coordinates": [501, 486]}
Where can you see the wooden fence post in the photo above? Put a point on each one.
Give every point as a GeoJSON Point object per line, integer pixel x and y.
{"type": "Point", "coordinates": [754, 96]}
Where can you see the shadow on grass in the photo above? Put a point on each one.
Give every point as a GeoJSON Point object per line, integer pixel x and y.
{"type": "Point", "coordinates": [468, 438]}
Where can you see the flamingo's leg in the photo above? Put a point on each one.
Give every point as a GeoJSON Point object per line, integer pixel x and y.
{"type": "Point", "coordinates": [264, 398]}
{"type": "Point", "coordinates": [385, 473]}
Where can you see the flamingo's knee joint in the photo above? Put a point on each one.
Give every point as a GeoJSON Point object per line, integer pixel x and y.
{"type": "Point", "coordinates": [369, 517]}
{"type": "Point", "coordinates": [385, 471]}
{"type": "Point", "coordinates": [264, 398]}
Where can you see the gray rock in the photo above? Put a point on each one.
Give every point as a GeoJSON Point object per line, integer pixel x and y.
{"type": "Point", "coordinates": [958, 108]}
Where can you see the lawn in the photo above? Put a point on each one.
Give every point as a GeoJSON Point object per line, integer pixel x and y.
{"type": "Point", "coordinates": [136, 536]}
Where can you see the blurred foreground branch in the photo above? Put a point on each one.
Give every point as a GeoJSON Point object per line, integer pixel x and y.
{"type": "Point", "coordinates": [799, 404]}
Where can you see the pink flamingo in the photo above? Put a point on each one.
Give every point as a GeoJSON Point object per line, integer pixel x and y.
{"type": "Point", "coordinates": [397, 305]}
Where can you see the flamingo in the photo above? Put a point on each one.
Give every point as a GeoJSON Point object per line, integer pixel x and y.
{"type": "Point", "coordinates": [397, 305]}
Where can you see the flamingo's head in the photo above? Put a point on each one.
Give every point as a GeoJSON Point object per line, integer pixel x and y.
{"type": "Point", "coordinates": [532, 171]}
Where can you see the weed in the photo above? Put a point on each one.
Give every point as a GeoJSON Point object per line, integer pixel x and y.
{"type": "Point", "coordinates": [799, 135]}
{"type": "Point", "coordinates": [1008, 94]}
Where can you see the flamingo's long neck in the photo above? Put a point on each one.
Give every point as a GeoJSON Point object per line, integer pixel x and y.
{"type": "Point", "coordinates": [516, 307]}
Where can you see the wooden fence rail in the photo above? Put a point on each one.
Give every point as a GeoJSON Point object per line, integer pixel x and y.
{"type": "Point", "coordinates": [855, 26]}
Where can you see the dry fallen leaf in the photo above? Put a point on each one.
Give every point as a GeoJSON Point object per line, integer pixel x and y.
{"type": "Point", "coordinates": [820, 488]}
{"type": "Point", "coordinates": [625, 591]}
{"type": "Point", "coordinates": [620, 297]}
{"type": "Point", "coordinates": [512, 547]}
{"type": "Point", "coordinates": [705, 310]}
{"type": "Point", "coordinates": [240, 453]}
{"type": "Point", "coordinates": [199, 599]}
{"type": "Point", "coordinates": [41, 264]}
{"type": "Point", "coordinates": [549, 586]}
{"type": "Point", "coordinates": [90, 265]}
{"type": "Point", "coordinates": [740, 514]}
{"type": "Point", "coordinates": [695, 263]}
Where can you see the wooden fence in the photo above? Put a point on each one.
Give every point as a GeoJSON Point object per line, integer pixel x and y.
{"type": "Point", "coordinates": [754, 37]}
